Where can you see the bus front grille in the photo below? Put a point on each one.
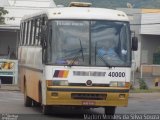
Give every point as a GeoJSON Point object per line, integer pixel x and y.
{"type": "Point", "coordinates": [85, 96]}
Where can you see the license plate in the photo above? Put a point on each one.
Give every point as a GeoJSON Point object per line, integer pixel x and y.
{"type": "Point", "coordinates": [88, 103]}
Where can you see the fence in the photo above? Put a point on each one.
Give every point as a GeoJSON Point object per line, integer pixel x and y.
{"type": "Point", "coordinates": [9, 68]}
{"type": "Point", "coordinates": [150, 70]}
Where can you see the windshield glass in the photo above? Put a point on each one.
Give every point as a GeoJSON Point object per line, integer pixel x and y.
{"type": "Point", "coordinates": [110, 43]}
{"type": "Point", "coordinates": [69, 42]}
{"type": "Point", "coordinates": [88, 43]}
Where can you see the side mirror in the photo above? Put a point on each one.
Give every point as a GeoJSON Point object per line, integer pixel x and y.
{"type": "Point", "coordinates": [134, 43]}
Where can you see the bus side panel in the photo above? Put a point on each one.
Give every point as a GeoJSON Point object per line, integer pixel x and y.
{"type": "Point", "coordinates": [33, 71]}
{"type": "Point", "coordinates": [21, 75]}
{"type": "Point", "coordinates": [29, 74]}
{"type": "Point", "coordinates": [21, 78]}
{"type": "Point", "coordinates": [32, 83]}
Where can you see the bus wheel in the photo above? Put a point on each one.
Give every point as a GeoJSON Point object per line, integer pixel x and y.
{"type": "Point", "coordinates": [110, 110]}
{"type": "Point", "coordinates": [36, 104]}
{"type": "Point", "coordinates": [27, 100]}
{"type": "Point", "coordinates": [46, 109]}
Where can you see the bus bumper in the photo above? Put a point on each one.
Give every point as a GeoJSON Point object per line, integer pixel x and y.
{"type": "Point", "coordinates": [87, 96]}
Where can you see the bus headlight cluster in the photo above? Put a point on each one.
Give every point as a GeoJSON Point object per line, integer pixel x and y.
{"type": "Point", "coordinates": [117, 84]}
{"type": "Point", "coordinates": [57, 82]}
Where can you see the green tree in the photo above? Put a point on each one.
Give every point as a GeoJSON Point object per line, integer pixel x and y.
{"type": "Point", "coordinates": [2, 13]}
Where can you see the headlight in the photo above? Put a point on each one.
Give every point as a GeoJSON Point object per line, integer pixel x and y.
{"type": "Point", "coordinates": [113, 84]}
{"type": "Point", "coordinates": [117, 84]}
{"type": "Point", "coordinates": [57, 82]}
{"type": "Point", "coordinates": [121, 84]}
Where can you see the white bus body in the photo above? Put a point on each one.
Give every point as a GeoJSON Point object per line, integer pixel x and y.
{"type": "Point", "coordinates": [53, 74]}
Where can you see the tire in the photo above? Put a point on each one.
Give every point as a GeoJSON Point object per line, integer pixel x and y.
{"type": "Point", "coordinates": [40, 93]}
{"type": "Point", "coordinates": [110, 110]}
{"type": "Point", "coordinates": [27, 100]}
{"type": "Point", "coordinates": [36, 104]}
{"type": "Point", "coordinates": [46, 109]}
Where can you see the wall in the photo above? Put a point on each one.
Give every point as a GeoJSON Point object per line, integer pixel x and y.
{"type": "Point", "coordinates": [150, 22]}
{"type": "Point", "coordinates": [8, 38]}
{"type": "Point", "coordinates": [149, 45]}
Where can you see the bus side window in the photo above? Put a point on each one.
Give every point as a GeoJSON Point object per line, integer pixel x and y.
{"type": "Point", "coordinates": [41, 32]}
{"type": "Point", "coordinates": [21, 34]}
{"type": "Point", "coordinates": [25, 34]}
{"type": "Point", "coordinates": [37, 31]}
{"type": "Point", "coordinates": [34, 31]}
{"type": "Point", "coordinates": [44, 21]}
{"type": "Point", "coordinates": [29, 33]}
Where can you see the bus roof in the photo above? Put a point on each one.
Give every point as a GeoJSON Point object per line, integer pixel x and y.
{"type": "Point", "coordinates": [82, 13]}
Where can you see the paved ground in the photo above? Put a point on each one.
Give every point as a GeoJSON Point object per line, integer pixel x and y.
{"type": "Point", "coordinates": [12, 102]}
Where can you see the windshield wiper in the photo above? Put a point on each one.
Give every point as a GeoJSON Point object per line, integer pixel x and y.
{"type": "Point", "coordinates": [106, 64]}
{"type": "Point", "coordinates": [77, 56]}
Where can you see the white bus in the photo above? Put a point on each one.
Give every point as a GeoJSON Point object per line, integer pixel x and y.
{"type": "Point", "coordinates": [76, 57]}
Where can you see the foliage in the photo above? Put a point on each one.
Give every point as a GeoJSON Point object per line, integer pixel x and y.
{"type": "Point", "coordinates": [142, 84]}
{"type": "Point", "coordinates": [2, 13]}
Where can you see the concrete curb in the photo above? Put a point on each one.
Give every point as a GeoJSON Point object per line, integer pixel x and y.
{"type": "Point", "coordinates": [9, 87]}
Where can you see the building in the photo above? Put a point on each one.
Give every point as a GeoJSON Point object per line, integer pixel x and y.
{"type": "Point", "coordinates": [9, 32]}
{"type": "Point", "coordinates": [145, 24]}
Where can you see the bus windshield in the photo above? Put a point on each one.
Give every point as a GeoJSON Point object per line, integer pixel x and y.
{"type": "Point", "coordinates": [89, 43]}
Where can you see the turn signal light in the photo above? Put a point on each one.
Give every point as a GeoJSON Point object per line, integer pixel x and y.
{"type": "Point", "coordinates": [121, 96]}
{"type": "Point", "coordinates": [57, 82]}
